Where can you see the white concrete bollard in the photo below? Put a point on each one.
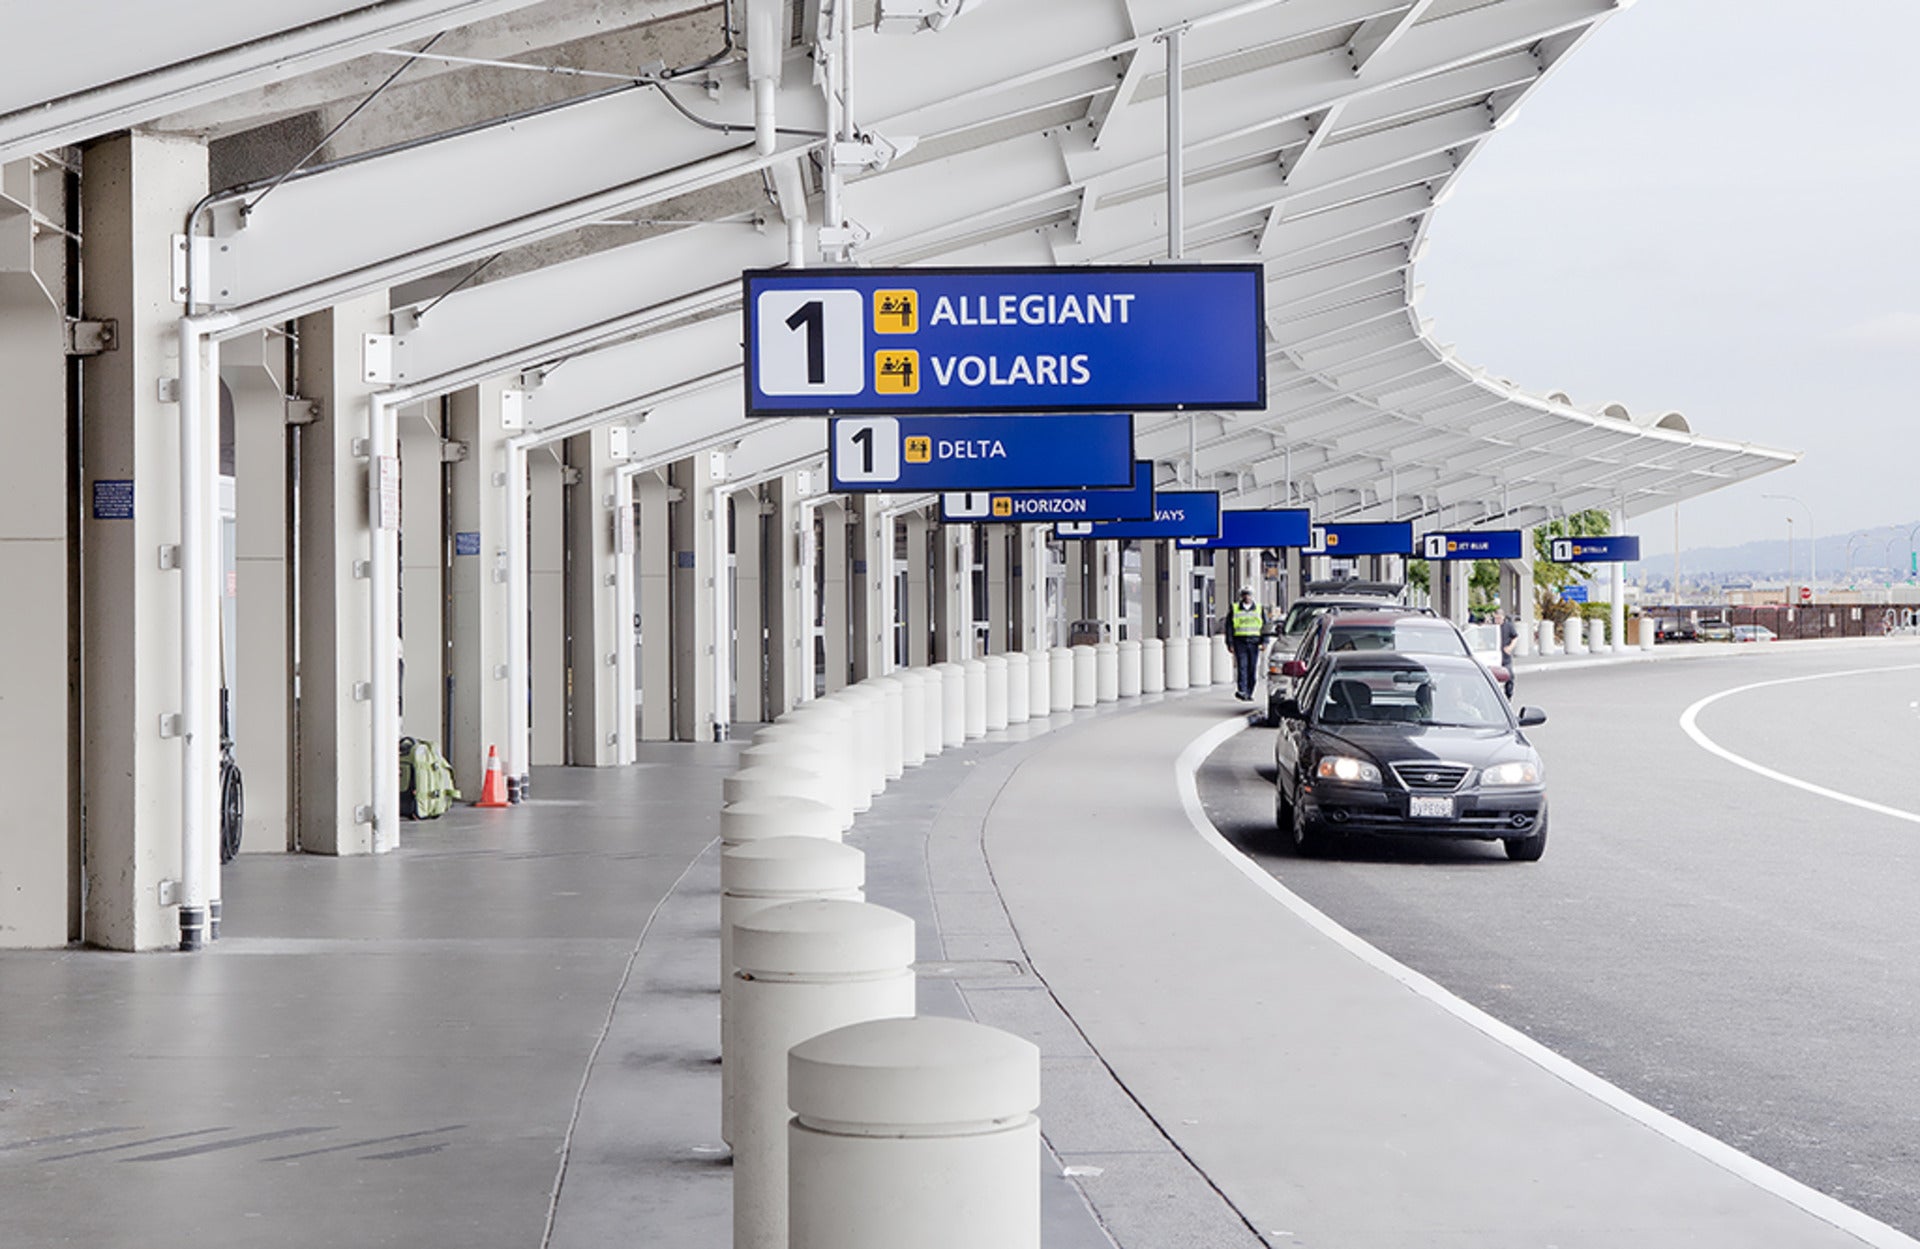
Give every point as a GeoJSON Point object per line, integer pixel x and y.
{"type": "Point", "coordinates": [913, 717]}
{"type": "Point", "coordinates": [1039, 684]}
{"type": "Point", "coordinates": [836, 720]}
{"type": "Point", "coordinates": [933, 729]}
{"type": "Point", "coordinates": [936, 1114]}
{"type": "Point", "coordinates": [766, 873]}
{"type": "Point", "coordinates": [953, 703]}
{"type": "Point", "coordinates": [1178, 652]}
{"type": "Point", "coordinates": [996, 703]}
{"type": "Point", "coordinates": [1523, 641]}
{"type": "Point", "coordinates": [975, 671]}
{"type": "Point", "coordinates": [1127, 665]}
{"type": "Point", "coordinates": [796, 747]}
{"type": "Point", "coordinates": [1086, 691]}
{"type": "Point", "coordinates": [777, 815]}
{"type": "Point", "coordinates": [1647, 630]}
{"type": "Point", "coordinates": [869, 726]}
{"type": "Point", "coordinates": [1199, 662]}
{"type": "Point", "coordinates": [765, 780]}
{"type": "Point", "coordinates": [893, 750]}
{"type": "Point", "coordinates": [1222, 660]}
{"type": "Point", "coordinates": [1546, 637]}
{"type": "Point", "coordinates": [1153, 666]}
{"type": "Point", "coordinates": [1019, 689]}
{"type": "Point", "coordinates": [1574, 637]}
{"type": "Point", "coordinates": [1060, 679]}
{"type": "Point", "coordinates": [804, 968]}
{"type": "Point", "coordinates": [1106, 672]}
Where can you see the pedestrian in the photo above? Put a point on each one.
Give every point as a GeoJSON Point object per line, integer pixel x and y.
{"type": "Point", "coordinates": [1508, 632]}
{"type": "Point", "coordinates": [1246, 628]}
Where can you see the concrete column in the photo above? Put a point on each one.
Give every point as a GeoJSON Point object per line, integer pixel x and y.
{"type": "Point", "coordinates": [1617, 594]}
{"type": "Point", "coordinates": [477, 710]}
{"type": "Point", "coordinates": [789, 648]}
{"type": "Point", "coordinates": [919, 581]}
{"type": "Point", "coordinates": [1291, 583]}
{"type": "Point", "coordinates": [548, 483]}
{"type": "Point", "coordinates": [1106, 580]}
{"type": "Point", "coordinates": [1179, 564]}
{"type": "Point", "coordinates": [1073, 595]}
{"type": "Point", "coordinates": [695, 629]}
{"type": "Point", "coordinates": [1456, 577]}
{"type": "Point", "coordinates": [600, 542]}
{"type": "Point", "coordinates": [749, 608]}
{"type": "Point", "coordinates": [1153, 590]}
{"type": "Point", "coordinates": [1030, 572]}
{"type": "Point", "coordinates": [870, 580]}
{"type": "Point", "coordinates": [999, 590]}
{"type": "Point", "coordinates": [1516, 589]}
{"type": "Point", "coordinates": [953, 595]}
{"type": "Point", "coordinates": [423, 576]}
{"type": "Point", "coordinates": [261, 686]}
{"type": "Point", "coordinates": [836, 563]}
{"type": "Point", "coordinates": [39, 840]}
{"type": "Point", "coordinates": [653, 602]}
{"type": "Point", "coordinates": [335, 758]}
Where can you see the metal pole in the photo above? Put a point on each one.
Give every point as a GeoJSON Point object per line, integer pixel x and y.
{"type": "Point", "coordinates": [1176, 143]}
{"type": "Point", "coordinates": [383, 575]}
{"type": "Point", "coordinates": [195, 733]}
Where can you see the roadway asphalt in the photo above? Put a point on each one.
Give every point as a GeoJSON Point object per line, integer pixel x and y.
{"type": "Point", "coordinates": [1739, 952]}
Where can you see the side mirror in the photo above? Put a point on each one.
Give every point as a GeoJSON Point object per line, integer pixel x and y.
{"type": "Point", "coordinates": [1293, 668]}
{"type": "Point", "coordinates": [1289, 709]}
{"type": "Point", "coordinates": [1530, 716]}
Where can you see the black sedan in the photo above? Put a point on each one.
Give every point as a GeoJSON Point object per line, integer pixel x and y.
{"type": "Point", "coordinates": [1407, 745]}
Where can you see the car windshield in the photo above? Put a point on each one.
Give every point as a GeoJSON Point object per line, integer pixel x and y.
{"type": "Point", "coordinates": [1302, 615]}
{"type": "Point", "coordinates": [1410, 637]}
{"type": "Point", "coordinates": [1444, 697]}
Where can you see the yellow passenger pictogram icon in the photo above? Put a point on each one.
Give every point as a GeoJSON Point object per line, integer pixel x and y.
{"type": "Point", "coordinates": [896, 312]}
{"type": "Point", "coordinates": [919, 449]}
{"type": "Point", "coordinates": [1003, 506]}
{"type": "Point", "coordinates": [896, 372]}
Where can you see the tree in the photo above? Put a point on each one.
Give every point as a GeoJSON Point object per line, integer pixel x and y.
{"type": "Point", "coordinates": [1550, 578]}
{"type": "Point", "coordinates": [1419, 576]}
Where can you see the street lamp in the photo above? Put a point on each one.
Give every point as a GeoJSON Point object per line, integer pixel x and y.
{"type": "Point", "coordinates": [1853, 544]}
{"type": "Point", "coordinates": [1813, 542]}
{"type": "Point", "coordinates": [1910, 562]}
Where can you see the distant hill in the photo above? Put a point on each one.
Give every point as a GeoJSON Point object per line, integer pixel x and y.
{"type": "Point", "coordinates": [1769, 558]}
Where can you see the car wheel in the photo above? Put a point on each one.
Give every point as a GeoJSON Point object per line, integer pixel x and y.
{"type": "Point", "coordinates": [1528, 849]}
{"type": "Point", "coordinates": [1282, 812]}
{"type": "Point", "coordinates": [1273, 712]}
{"type": "Point", "coordinates": [1309, 839]}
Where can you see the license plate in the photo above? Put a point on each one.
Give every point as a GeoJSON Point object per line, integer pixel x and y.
{"type": "Point", "coordinates": [1432, 809]}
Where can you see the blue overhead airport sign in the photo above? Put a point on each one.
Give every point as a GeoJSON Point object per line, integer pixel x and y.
{"type": "Point", "coordinates": [1012, 507]}
{"type": "Point", "coordinates": [1176, 514]}
{"type": "Point", "coordinates": [1618, 549]}
{"type": "Point", "coordinates": [934, 453]}
{"type": "Point", "coordinates": [1481, 544]}
{"type": "Point", "coordinates": [1141, 339]}
{"type": "Point", "coordinates": [1247, 530]}
{"type": "Point", "coordinates": [1362, 538]}
{"type": "Point", "coordinates": [1573, 594]}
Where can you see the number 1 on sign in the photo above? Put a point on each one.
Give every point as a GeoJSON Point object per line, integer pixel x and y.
{"type": "Point", "coordinates": [810, 342]}
{"type": "Point", "coordinates": [866, 452]}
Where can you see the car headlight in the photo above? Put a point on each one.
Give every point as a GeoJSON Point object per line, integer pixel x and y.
{"type": "Point", "coordinates": [1347, 768]}
{"type": "Point", "coordinates": [1517, 773]}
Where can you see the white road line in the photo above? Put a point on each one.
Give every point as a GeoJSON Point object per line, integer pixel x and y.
{"type": "Point", "coordinates": [1866, 1229]}
{"type": "Point", "coordinates": [1689, 722]}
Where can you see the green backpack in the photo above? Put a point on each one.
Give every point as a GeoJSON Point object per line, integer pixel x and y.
{"type": "Point", "coordinates": [426, 781]}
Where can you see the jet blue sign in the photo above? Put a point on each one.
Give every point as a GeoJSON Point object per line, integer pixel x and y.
{"type": "Point", "coordinates": [1362, 538]}
{"type": "Point", "coordinates": [1485, 544]}
{"type": "Point", "coordinates": [1180, 514]}
{"type": "Point", "coordinates": [1284, 526]}
{"type": "Point", "coordinates": [1620, 549]}
{"type": "Point", "coordinates": [909, 453]}
{"type": "Point", "coordinates": [1164, 338]}
{"type": "Point", "coordinates": [1135, 503]}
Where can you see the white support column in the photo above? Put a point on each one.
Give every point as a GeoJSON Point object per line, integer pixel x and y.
{"type": "Point", "coordinates": [653, 602]}
{"type": "Point", "coordinates": [1292, 581]}
{"type": "Point", "coordinates": [695, 632]}
{"type": "Point", "coordinates": [1617, 594]}
{"type": "Point", "coordinates": [870, 580]}
{"type": "Point", "coordinates": [1153, 589]}
{"type": "Point", "coordinates": [1179, 565]}
{"type": "Point", "coordinates": [1073, 591]}
{"type": "Point", "coordinates": [1457, 580]}
{"type": "Point", "coordinates": [749, 620]}
{"type": "Point", "coordinates": [477, 583]}
{"type": "Point", "coordinates": [789, 637]}
{"type": "Point", "coordinates": [1031, 573]}
{"type": "Point", "coordinates": [423, 576]}
{"type": "Point", "coordinates": [336, 604]}
{"type": "Point", "coordinates": [999, 590]}
{"type": "Point", "coordinates": [836, 568]}
{"type": "Point", "coordinates": [261, 687]}
{"type": "Point", "coordinates": [953, 595]}
{"type": "Point", "coordinates": [602, 629]}
{"type": "Point", "coordinates": [548, 487]}
{"type": "Point", "coordinates": [1107, 578]}
{"type": "Point", "coordinates": [36, 716]}
{"type": "Point", "coordinates": [919, 590]}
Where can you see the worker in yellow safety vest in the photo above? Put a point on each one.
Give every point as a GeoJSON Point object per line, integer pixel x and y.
{"type": "Point", "coordinates": [1246, 629]}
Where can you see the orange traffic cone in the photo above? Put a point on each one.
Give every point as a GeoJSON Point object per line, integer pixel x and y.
{"type": "Point", "coordinates": [493, 791]}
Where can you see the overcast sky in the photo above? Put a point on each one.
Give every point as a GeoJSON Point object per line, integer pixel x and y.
{"type": "Point", "coordinates": [1714, 206]}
